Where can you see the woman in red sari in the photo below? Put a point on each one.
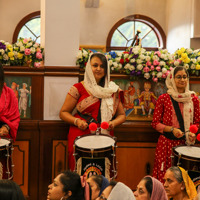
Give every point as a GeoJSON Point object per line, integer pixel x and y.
{"type": "Point", "coordinates": [174, 113]}
{"type": "Point", "coordinates": [95, 96]}
{"type": "Point", "coordinates": [9, 113]}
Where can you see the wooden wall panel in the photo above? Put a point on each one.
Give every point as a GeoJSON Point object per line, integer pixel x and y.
{"type": "Point", "coordinates": [135, 160]}
{"type": "Point", "coordinates": [60, 157]}
{"type": "Point", "coordinates": [21, 167]}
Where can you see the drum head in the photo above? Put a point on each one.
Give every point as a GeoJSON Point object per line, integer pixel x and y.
{"type": "Point", "coordinates": [4, 142]}
{"type": "Point", "coordinates": [190, 151]}
{"type": "Point", "coordinates": [95, 141]}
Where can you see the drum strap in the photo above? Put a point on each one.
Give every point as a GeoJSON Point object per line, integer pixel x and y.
{"type": "Point", "coordinates": [178, 114]}
{"type": "Point", "coordinates": [89, 119]}
{"type": "Point", "coordinates": [180, 120]}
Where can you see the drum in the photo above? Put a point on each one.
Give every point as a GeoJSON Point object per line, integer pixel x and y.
{"type": "Point", "coordinates": [187, 157]}
{"type": "Point", "coordinates": [95, 155]}
{"type": "Point", "coordinates": [6, 148]}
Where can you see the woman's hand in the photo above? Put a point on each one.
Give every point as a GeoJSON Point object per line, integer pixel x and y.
{"type": "Point", "coordinates": [192, 136]}
{"type": "Point", "coordinates": [3, 131]}
{"type": "Point", "coordinates": [177, 133]}
{"type": "Point", "coordinates": [111, 125]}
{"type": "Point", "coordinates": [81, 124]}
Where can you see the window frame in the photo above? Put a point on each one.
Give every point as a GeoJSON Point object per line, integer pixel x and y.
{"type": "Point", "coordinates": [140, 18]}
{"type": "Point", "coordinates": [26, 19]}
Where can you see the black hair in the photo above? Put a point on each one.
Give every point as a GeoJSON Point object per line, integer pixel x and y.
{"type": "Point", "coordinates": [148, 184]}
{"type": "Point", "coordinates": [98, 179]}
{"type": "Point", "coordinates": [1, 78]}
{"type": "Point", "coordinates": [104, 64]}
{"type": "Point", "coordinates": [71, 182]}
{"type": "Point", "coordinates": [177, 173]}
{"type": "Point", "coordinates": [113, 183]}
{"type": "Point", "coordinates": [180, 68]}
{"type": "Point", "coordinates": [10, 190]}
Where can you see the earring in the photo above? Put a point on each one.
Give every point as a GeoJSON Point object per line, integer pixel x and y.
{"type": "Point", "coordinates": [182, 188]}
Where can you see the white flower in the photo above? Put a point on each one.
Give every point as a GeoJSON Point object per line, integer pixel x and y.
{"type": "Point", "coordinates": [193, 66]}
{"type": "Point", "coordinates": [127, 66]}
{"type": "Point", "coordinates": [162, 56]}
{"type": "Point", "coordinates": [79, 55]}
{"type": "Point", "coordinates": [139, 67]}
{"type": "Point", "coordinates": [193, 60]}
{"type": "Point", "coordinates": [162, 63]}
{"type": "Point", "coordinates": [117, 59]}
{"type": "Point", "coordinates": [132, 60]}
{"type": "Point", "coordinates": [159, 74]}
{"type": "Point", "coordinates": [139, 61]}
{"type": "Point", "coordinates": [189, 51]}
{"type": "Point", "coordinates": [153, 73]}
{"type": "Point", "coordinates": [85, 53]}
{"type": "Point", "coordinates": [135, 51]}
{"type": "Point", "coordinates": [19, 44]}
{"type": "Point", "coordinates": [164, 70]}
{"type": "Point", "coordinates": [112, 68]}
{"type": "Point", "coordinates": [176, 63]}
{"type": "Point", "coordinates": [126, 55]}
{"type": "Point", "coordinates": [2, 51]}
{"type": "Point", "coordinates": [29, 44]}
{"type": "Point", "coordinates": [22, 48]}
{"type": "Point", "coordinates": [5, 57]}
{"type": "Point", "coordinates": [142, 57]}
{"type": "Point", "coordinates": [143, 50]}
{"type": "Point", "coordinates": [146, 75]}
{"type": "Point", "coordinates": [32, 49]}
{"type": "Point", "coordinates": [119, 66]}
{"type": "Point", "coordinates": [155, 57]}
{"type": "Point", "coordinates": [198, 59]}
{"type": "Point", "coordinates": [186, 66]}
{"type": "Point", "coordinates": [148, 58]}
{"type": "Point", "coordinates": [15, 54]}
{"type": "Point", "coordinates": [36, 45]}
{"type": "Point", "coordinates": [115, 64]}
{"type": "Point", "coordinates": [119, 53]}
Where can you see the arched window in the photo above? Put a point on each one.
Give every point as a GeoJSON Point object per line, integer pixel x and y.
{"type": "Point", "coordinates": [28, 27]}
{"type": "Point", "coordinates": [123, 32]}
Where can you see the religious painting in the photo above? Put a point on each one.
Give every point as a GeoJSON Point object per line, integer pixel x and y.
{"type": "Point", "coordinates": [140, 98]}
{"type": "Point", "coordinates": [22, 89]}
{"type": "Point", "coordinates": [95, 48]}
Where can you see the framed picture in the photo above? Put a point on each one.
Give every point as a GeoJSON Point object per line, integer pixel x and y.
{"type": "Point", "coordinates": [22, 89]}
{"type": "Point", "coordinates": [95, 48]}
{"type": "Point", "coordinates": [140, 97]}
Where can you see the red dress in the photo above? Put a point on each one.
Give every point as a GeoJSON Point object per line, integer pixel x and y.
{"type": "Point", "coordinates": [164, 115]}
{"type": "Point", "coordinates": [87, 104]}
{"type": "Point", "coordinates": [9, 112]}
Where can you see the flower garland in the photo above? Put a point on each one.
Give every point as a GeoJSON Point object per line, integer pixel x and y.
{"type": "Point", "coordinates": [155, 65]}
{"type": "Point", "coordinates": [24, 52]}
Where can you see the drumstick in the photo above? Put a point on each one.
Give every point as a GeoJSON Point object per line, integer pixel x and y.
{"type": "Point", "coordinates": [194, 129]}
{"type": "Point", "coordinates": [92, 127]}
{"type": "Point", "coordinates": [104, 125]}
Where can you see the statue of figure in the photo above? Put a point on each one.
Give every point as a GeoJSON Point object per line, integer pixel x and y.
{"type": "Point", "coordinates": [147, 99]}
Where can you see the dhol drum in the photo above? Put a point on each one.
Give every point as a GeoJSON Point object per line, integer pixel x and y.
{"type": "Point", "coordinates": [187, 157]}
{"type": "Point", "coordinates": [6, 148]}
{"type": "Point", "coordinates": [95, 155]}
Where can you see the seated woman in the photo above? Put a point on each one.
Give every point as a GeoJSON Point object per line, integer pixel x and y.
{"type": "Point", "coordinates": [97, 184]}
{"type": "Point", "coordinates": [178, 185]}
{"type": "Point", "coordinates": [117, 191]}
{"type": "Point", "coordinates": [10, 190]}
{"type": "Point", "coordinates": [150, 188]}
{"type": "Point", "coordinates": [68, 185]}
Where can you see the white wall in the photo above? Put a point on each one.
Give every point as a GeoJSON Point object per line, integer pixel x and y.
{"type": "Point", "coordinates": [11, 12]}
{"type": "Point", "coordinates": [178, 20]}
{"type": "Point", "coordinates": [95, 22]}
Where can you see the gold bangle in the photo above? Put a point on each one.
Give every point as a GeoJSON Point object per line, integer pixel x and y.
{"type": "Point", "coordinates": [75, 121]}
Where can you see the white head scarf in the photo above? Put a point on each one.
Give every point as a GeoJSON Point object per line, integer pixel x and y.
{"type": "Point", "coordinates": [104, 93]}
{"type": "Point", "coordinates": [121, 192]}
{"type": "Point", "coordinates": [185, 98]}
